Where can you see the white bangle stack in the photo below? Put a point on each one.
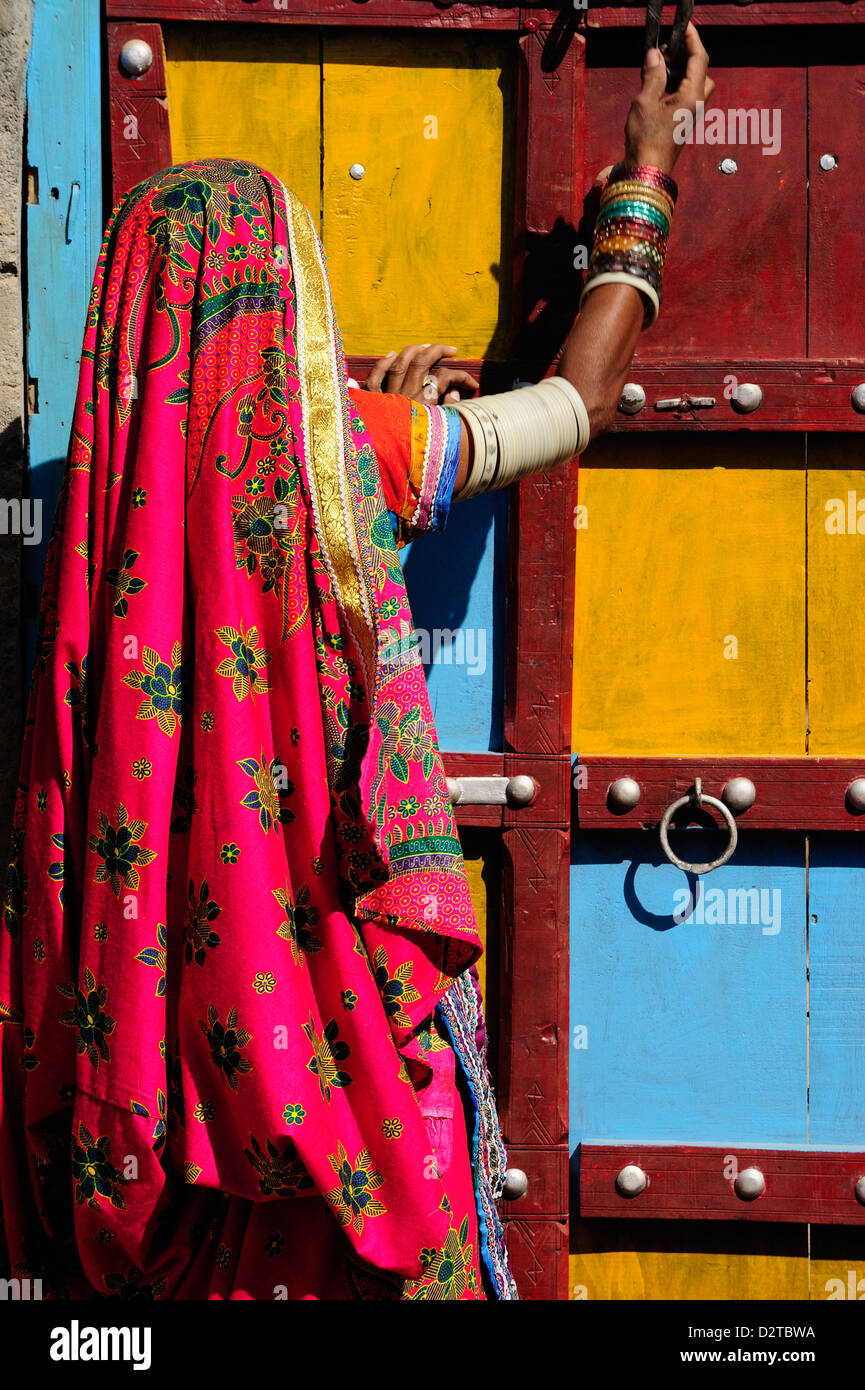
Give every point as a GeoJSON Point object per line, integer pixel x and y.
{"type": "Point", "coordinates": [522, 432]}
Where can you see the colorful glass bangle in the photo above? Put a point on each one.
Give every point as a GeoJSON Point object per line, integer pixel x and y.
{"type": "Point", "coordinates": [652, 188]}
{"type": "Point", "coordinates": [632, 253]}
{"type": "Point", "coordinates": [646, 173]}
{"type": "Point", "coordinates": [630, 250]}
{"type": "Point", "coordinates": [614, 218]}
{"type": "Point", "coordinates": [644, 190]}
{"type": "Point", "coordinates": [620, 194]}
{"type": "Point", "coordinates": [625, 243]}
{"type": "Point", "coordinates": [631, 211]}
{"type": "Point", "coordinates": [642, 230]}
{"type": "Point", "coordinates": [632, 207]}
{"type": "Point", "coordinates": [643, 210]}
{"type": "Point", "coordinates": [631, 226]}
{"type": "Point", "coordinates": [631, 234]}
{"type": "Point", "coordinates": [636, 193]}
{"type": "Point", "coordinates": [634, 232]}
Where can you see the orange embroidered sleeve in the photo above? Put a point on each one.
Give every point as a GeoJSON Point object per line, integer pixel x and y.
{"type": "Point", "coordinates": [417, 448]}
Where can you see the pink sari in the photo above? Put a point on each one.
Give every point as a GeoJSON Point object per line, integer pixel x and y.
{"type": "Point", "coordinates": [237, 894]}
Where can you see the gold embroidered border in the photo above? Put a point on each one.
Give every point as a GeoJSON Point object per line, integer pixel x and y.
{"type": "Point", "coordinates": [324, 441]}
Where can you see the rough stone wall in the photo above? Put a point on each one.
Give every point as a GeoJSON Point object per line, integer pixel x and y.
{"type": "Point", "coordinates": [15, 18]}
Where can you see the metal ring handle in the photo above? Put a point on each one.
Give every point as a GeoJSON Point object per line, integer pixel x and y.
{"type": "Point", "coordinates": [697, 796]}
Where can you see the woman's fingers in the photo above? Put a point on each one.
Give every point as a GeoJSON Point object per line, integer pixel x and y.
{"type": "Point", "coordinates": [378, 372]}
{"type": "Point", "coordinates": [405, 374]}
{"type": "Point", "coordinates": [424, 359]}
{"type": "Point", "coordinates": [416, 372]}
{"type": "Point", "coordinates": [390, 372]}
{"type": "Point", "coordinates": [447, 381]}
{"type": "Point", "coordinates": [692, 86]}
{"type": "Point", "coordinates": [653, 78]}
{"type": "Point", "coordinates": [400, 367]}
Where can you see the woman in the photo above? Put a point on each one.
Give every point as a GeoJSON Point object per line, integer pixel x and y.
{"type": "Point", "coordinates": [240, 1041]}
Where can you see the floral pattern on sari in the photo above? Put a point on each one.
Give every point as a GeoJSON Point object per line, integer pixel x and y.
{"type": "Point", "coordinates": [204, 868]}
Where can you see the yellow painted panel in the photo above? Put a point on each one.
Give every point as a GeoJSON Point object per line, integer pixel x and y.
{"type": "Point", "coordinates": [689, 631]}
{"type": "Point", "coordinates": [836, 594]}
{"type": "Point", "coordinates": [838, 1263]}
{"type": "Point", "coordinates": [419, 247]}
{"type": "Point", "coordinates": [677, 1260]}
{"type": "Point", "coordinates": [475, 874]}
{"type": "Point", "coordinates": [481, 852]}
{"type": "Point", "coordinates": [239, 92]}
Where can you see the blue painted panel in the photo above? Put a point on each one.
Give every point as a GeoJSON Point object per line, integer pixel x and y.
{"type": "Point", "coordinates": [64, 229]}
{"type": "Point", "coordinates": [836, 893]}
{"type": "Point", "coordinates": [696, 1031]}
{"type": "Point", "coordinates": [457, 581]}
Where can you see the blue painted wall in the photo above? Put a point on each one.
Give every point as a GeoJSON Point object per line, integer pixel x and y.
{"type": "Point", "coordinates": [63, 232]}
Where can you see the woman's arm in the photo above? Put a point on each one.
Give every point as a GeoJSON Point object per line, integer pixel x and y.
{"type": "Point", "coordinates": [597, 356]}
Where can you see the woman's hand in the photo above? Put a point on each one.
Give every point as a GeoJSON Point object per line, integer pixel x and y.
{"type": "Point", "coordinates": [651, 123]}
{"type": "Point", "coordinates": [418, 372]}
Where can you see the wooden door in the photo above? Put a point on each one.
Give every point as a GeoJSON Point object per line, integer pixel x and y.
{"type": "Point", "coordinates": [718, 1023]}
{"type": "Point", "coordinates": [716, 597]}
